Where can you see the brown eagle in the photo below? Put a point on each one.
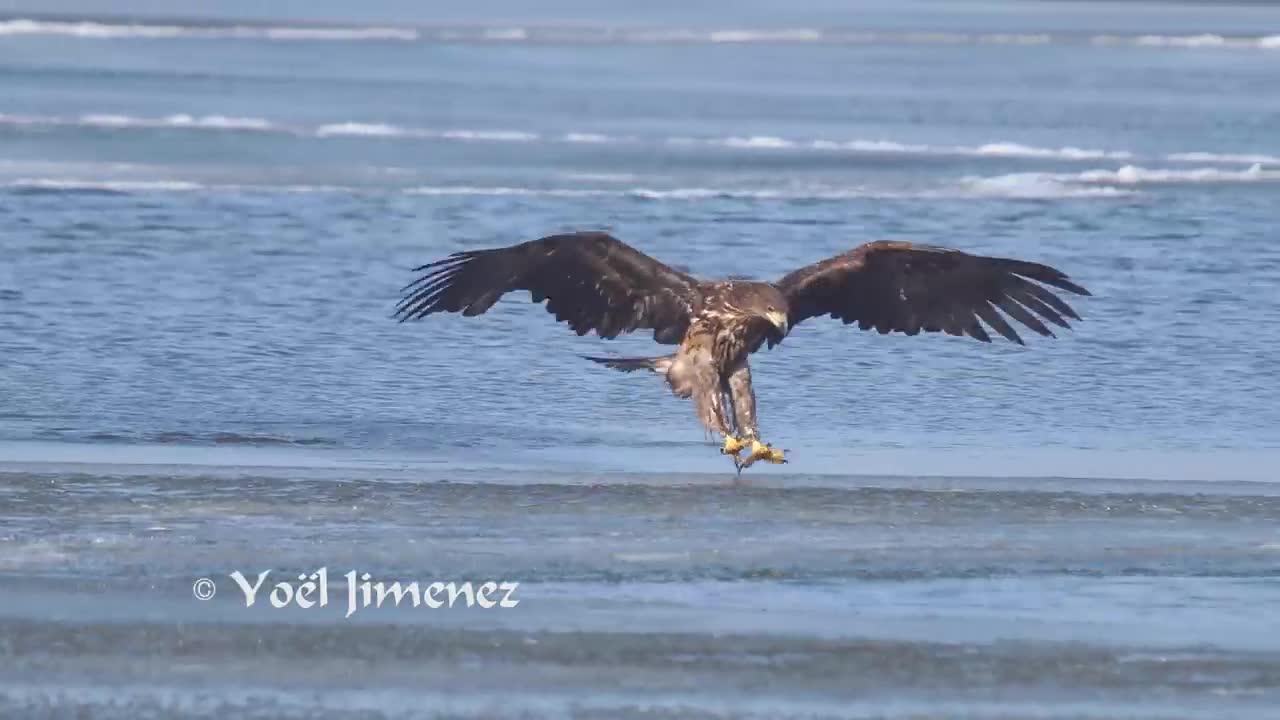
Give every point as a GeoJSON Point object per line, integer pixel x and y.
{"type": "Point", "coordinates": [593, 281]}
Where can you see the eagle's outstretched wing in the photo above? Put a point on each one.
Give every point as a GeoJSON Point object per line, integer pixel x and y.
{"type": "Point", "coordinates": [591, 280]}
{"type": "Point", "coordinates": [900, 286]}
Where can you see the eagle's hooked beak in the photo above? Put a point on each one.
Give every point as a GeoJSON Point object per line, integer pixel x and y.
{"type": "Point", "coordinates": [779, 320]}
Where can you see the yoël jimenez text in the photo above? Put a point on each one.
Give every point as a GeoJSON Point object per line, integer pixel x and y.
{"type": "Point", "coordinates": [363, 592]}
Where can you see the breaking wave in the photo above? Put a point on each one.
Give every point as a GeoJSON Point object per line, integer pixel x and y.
{"type": "Point", "coordinates": [1023, 186]}
{"type": "Point", "coordinates": [130, 187]}
{"type": "Point", "coordinates": [1230, 158]}
{"type": "Point", "coordinates": [1266, 42]}
{"type": "Point", "coordinates": [1013, 187]}
{"type": "Point", "coordinates": [106, 186]}
{"type": "Point", "coordinates": [1107, 182]}
{"type": "Point", "coordinates": [360, 129]}
{"type": "Point", "coordinates": [1133, 175]}
{"type": "Point", "coordinates": [1125, 181]}
{"type": "Point", "coordinates": [687, 193]}
{"type": "Point", "coordinates": [239, 124]}
{"type": "Point", "coordinates": [154, 31]}
{"type": "Point", "coordinates": [105, 29]}
{"type": "Point", "coordinates": [996, 149]}
{"type": "Point", "coordinates": [1036, 186]}
{"type": "Point", "coordinates": [373, 130]}
{"type": "Point", "coordinates": [596, 138]}
{"type": "Point", "coordinates": [112, 121]}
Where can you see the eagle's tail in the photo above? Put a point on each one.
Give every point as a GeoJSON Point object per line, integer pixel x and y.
{"type": "Point", "coordinates": [657, 364]}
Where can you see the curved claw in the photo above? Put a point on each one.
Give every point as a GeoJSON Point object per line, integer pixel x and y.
{"type": "Point", "coordinates": [761, 451]}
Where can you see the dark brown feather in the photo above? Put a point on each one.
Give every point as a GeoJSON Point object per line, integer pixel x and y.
{"type": "Point", "coordinates": [590, 280]}
{"type": "Point", "coordinates": [903, 287]}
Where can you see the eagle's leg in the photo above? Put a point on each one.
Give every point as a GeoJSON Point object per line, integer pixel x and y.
{"type": "Point", "coordinates": [743, 399]}
{"type": "Point", "coordinates": [734, 442]}
{"type": "Point", "coordinates": [693, 375]}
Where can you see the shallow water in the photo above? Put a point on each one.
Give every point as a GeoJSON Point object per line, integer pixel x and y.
{"type": "Point", "coordinates": [209, 216]}
{"type": "Point", "coordinates": [639, 595]}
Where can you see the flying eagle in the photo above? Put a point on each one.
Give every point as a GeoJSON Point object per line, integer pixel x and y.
{"type": "Point", "coordinates": [593, 281]}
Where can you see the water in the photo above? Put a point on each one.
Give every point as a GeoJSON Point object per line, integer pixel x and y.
{"type": "Point", "coordinates": [208, 217]}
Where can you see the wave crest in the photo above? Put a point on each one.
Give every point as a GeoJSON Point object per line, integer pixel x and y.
{"type": "Point", "coordinates": [994, 149]}
{"type": "Point", "coordinates": [1134, 175]}
{"type": "Point", "coordinates": [99, 29]}
{"type": "Point", "coordinates": [359, 129]}
{"type": "Point", "coordinates": [149, 31]}
{"type": "Point", "coordinates": [1104, 182]}
{"type": "Point", "coordinates": [763, 143]}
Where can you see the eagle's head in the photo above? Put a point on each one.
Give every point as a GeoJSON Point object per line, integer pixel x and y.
{"type": "Point", "coordinates": [757, 308]}
{"type": "Point", "coordinates": [778, 318]}
{"type": "Point", "coordinates": [770, 305]}
{"type": "Point", "coordinates": [775, 324]}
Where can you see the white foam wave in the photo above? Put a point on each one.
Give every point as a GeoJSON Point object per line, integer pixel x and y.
{"type": "Point", "coordinates": [645, 193]}
{"type": "Point", "coordinates": [114, 121]}
{"type": "Point", "coordinates": [1008, 149]}
{"type": "Point", "coordinates": [159, 186]}
{"type": "Point", "coordinates": [1019, 186]}
{"type": "Point", "coordinates": [769, 36]}
{"type": "Point", "coordinates": [123, 186]}
{"type": "Point", "coordinates": [604, 177]}
{"type": "Point", "coordinates": [685, 193]}
{"type": "Point", "coordinates": [829, 36]}
{"type": "Point", "coordinates": [1246, 158]}
{"type": "Point", "coordinates": [104, 30]}
{"type": "Point", "coordinates": [1028, 185]}
{"type": "Point", "coordinates": [87, 29]}
{"type": "Point", "coordinates": [1123, 182]}
{"type": "Point", "coordinates": [219, 122]}
{"type": "Point", "coordinates": [506, 34]}
{"type": "Point", "coordinates": [369, 33]}
{"type": "Point", "coordinates": [1134, 175]}
{"type": "Point", "coordinates": [229, 123]}
{"type": "Point", "coordinates": [1184, 41]}
{"type": "Point", "coordinates": [498, 191]}
{"type": "Point", "coordinates": [108, 31]}
{"type": "Point", "coordinates": [1015, 39]}
{"type": "Point", "coordinates": [490, 135]}
{"type": "Point", "coordinates": [1203, 40]}
{"type": "Point", "coordinates": [360, 129]}
{"type": "Point", "coordinates": [756, 141]}
{"type": "Point", "coordinates": [1034, 186]}
{"type": "Point", "coordinates": [386, 130]}
{"type": "Point", "coordinates": [995, 149]}
{"type": "Point", "coordinates": [595, 138]}
{"type": "Point", "coordinates": [869, 146]}
{"type": "Point", "coordinates": [1110, 182]}
{"type": "Point", "coordinates": [209, 122]}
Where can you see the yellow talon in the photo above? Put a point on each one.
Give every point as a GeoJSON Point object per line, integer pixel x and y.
{"type": "Point", "coordinates": [760, 451]}
{"type": "Point", "coordinates": [732, 445]}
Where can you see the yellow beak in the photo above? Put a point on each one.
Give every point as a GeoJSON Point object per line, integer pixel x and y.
{"type": "Point", "coordinates": [778, 318]}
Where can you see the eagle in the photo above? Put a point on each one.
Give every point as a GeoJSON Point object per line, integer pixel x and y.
{"type": "Point", "coordinates": [595, 282]}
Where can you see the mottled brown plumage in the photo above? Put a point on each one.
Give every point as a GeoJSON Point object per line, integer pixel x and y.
{"type": "Point", "coordinates": [595, 282]}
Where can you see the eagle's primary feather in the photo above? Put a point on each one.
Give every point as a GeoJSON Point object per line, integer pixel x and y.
{"type": "Point", "coordinates": [595, 282]}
